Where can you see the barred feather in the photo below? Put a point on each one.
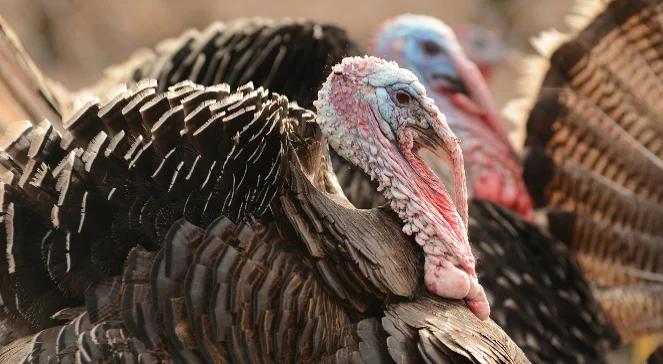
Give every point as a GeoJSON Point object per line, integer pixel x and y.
{"type": "Point", "coordinates": [595, 156]}
{"type": "Point", "coordinates": [289, 57]}
{"type": "Point", "coordinates": [81, 202]}
{"type": "Point", "coordinates": [537, 292]}
{"type": "Point", "coordinates": [198, 227]}
{"type": "Point", "coordinates": [233, 294]}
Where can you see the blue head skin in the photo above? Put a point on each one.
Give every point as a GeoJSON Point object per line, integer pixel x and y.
{"type": "Point", "coordinates": [425, 46]}
{"type": "Point", "coordinates": [378, 117]}
{"type": "Point", "coordinates": [429, 48]}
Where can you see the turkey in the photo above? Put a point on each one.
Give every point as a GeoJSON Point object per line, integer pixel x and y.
{"type": "Point", "coordinates": [252, 50]}
{"type": "Point", "coordinates": [239, 245]}
{"type": "Point", "coordinates": [637, 309]}
{"type": "Point", "coordinates": [255, 50]}
{"type": "Point", "coordinates": [258, 50]}
{"type": "Point", "coordinates": [537, 316]}
{"type": "Point", "coordinates": [429, 48]}
{"type": "Point", "coordinates": [516, 258]}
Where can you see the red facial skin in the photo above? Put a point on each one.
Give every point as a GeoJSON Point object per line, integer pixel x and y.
{"type": "Point", "coordinates": [475, 83]}
{"type": "Point", "coordinates": [492, 165]}
{"type": "Point", "coordinates": [494, 171]}
{"type": "Point", "coordinates": [440, 275]}
{"type": "Point", "coordinates": [359, 133]}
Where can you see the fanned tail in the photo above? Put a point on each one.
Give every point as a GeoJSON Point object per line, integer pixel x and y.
{"type": "Point", "coordinates": [128, 165]}
{"type": "Point", "coordinates": [595, 156]}
{"type": "Point", "coordinates": [289, 57]}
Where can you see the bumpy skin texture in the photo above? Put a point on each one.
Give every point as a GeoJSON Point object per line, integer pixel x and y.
{"type": "Point", "coordinates": [374, 101]}
{"type": "Point", "coordinates": [159, 177]}
{"type": "Point", "coordinates": [536, 291]}
{"type": "Point", "coordinates": [511, 301]}
{"type": "Point", "coordinates": [429, 48]}
{"type": "Point", "coordinates": [491, 233]}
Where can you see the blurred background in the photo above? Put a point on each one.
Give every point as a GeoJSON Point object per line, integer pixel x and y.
{"type": "Point", "coordinates": [74, 40]}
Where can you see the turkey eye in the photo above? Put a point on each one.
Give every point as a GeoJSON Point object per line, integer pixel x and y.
{"type": "Point", "coordinates": [431, 48]}
{"type": "Point", "coordinates": [480, 43]}
{"type": "Point", "coordinates": [403, 98]}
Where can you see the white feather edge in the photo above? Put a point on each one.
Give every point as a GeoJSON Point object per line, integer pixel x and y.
{"type": "Point", "coordinates": [583, 12]}
{"type": "Point", "coordinates": [535, 67]}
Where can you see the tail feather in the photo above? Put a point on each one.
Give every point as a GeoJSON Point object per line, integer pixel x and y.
{"type": "Point", "coordinates": [25, 93]}
{"type": "Point", "coordinates": [635, 310]}
{"type": "Point", "coordinates": [261, 51]}
{"type": "Point", "coordinates": [595, 155]}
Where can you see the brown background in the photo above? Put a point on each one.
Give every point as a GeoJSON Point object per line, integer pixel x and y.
{"type": "Point", "coordinates": [73, 40]}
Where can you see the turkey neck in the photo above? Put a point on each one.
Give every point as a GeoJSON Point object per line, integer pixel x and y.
{"type": "Point", "coordinates": [413, 191]}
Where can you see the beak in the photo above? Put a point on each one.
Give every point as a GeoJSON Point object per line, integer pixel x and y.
{"type": "Point", "coordinates": [461, 81]}
{"type": "Point", "coordinates": [449, 83]}
{"type": "Point", "coordinates": [443, 143]}
{"type": "Point", "coordinates": [442, 278]}
{"type": "Point", "coordinates": [480, 94]}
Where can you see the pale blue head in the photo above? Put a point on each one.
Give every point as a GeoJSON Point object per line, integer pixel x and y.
{"type": "Point", "coordinates": [372, 88]}
{"type": "Point", "coordinates": [429, 48]}
{"type": "Point", "coordinates": [424, 45]}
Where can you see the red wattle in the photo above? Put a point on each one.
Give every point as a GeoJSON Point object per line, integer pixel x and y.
{"type": "Point", "coordinates": [472, 77]}
{"type": "Point", "coordinates": [491, 186]}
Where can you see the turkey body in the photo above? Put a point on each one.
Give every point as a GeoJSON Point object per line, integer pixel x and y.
{"type": "Point", "coordinates": [165, 248]}
{"type": "Point", "coordinates": [290, 58]}
{"type": "Point", "coordinates": [535, 265]}
{"type": "Point", "coordinates": [537, 292]}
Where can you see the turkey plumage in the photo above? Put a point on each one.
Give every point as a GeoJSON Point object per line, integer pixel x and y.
{"type": "Point", "coordinates": [594, 173]}
{"type": "Point", "coordinates": [238, 242]}
{"type": "Point", "coordinates": [539, 269]}
{"type": "Point", "coordinates": [594, 155]}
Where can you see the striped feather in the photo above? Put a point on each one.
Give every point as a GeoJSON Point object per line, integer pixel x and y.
{"type": "Point", "coordinates": [595, 155]}
{"type": "Point", "coordinates": [81, 201]}
{"type": "Point", "coordinates": [198, 228]}
{"type": "Point", "coordinates": [536, 290]}
{"type": "Point", "coordinates": [263, 51]}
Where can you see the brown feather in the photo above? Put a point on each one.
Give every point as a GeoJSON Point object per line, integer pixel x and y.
{"type": "Point", "coordinates": [595, 156]}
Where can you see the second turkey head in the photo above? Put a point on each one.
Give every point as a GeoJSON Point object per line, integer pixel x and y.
{"type": "Point", "coordinates": [429, 48]}
{"type": "Point", "coordinates": [484, 46]}
{"type": "Point", "coordinates": [378, 117]}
